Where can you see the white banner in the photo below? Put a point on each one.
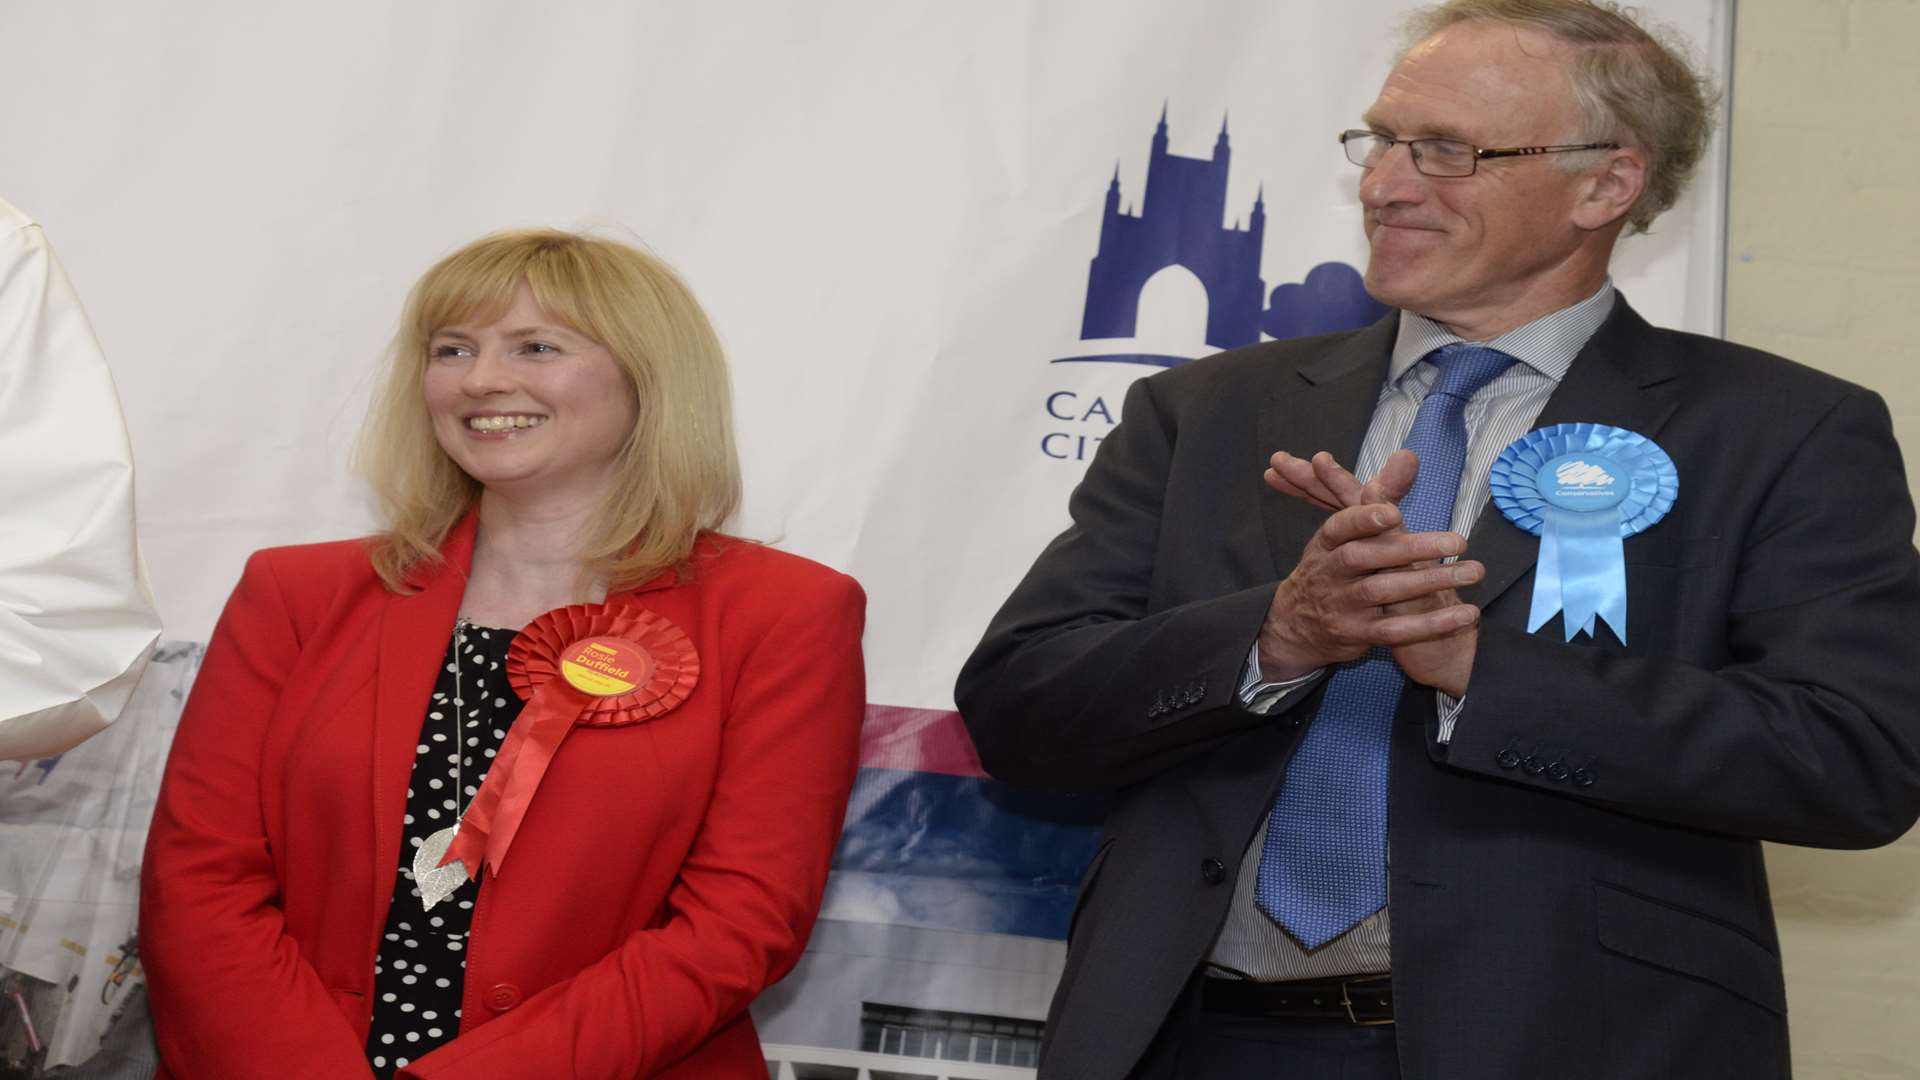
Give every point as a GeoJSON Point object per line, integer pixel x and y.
{"type": "Point", "coordinates": [939, 240]}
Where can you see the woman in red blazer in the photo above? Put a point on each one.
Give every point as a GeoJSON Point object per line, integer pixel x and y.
{"type": "Point", "coordinates": [554, 432]}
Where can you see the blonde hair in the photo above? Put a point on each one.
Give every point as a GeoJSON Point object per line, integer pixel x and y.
{"type": "Point", "coordinates": [677, 471]}
{"type": "Point", "coordinates": [1632, 84]}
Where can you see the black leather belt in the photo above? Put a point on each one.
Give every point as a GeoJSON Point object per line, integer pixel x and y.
{"type": "Point", "coordinates": [1365, 1001]}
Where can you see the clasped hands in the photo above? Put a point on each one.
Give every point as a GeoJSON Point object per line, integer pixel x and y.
{"type": "Point", "coordinates": [1364, 580]}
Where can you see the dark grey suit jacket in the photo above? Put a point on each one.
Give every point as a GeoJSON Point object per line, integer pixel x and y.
{"type": "Point", "coordinates": [1576, 883]}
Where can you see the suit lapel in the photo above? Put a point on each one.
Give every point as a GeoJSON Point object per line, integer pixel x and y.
{"type": "Point", "coordinates": [414, 630]}
{"type": "Point", "coordinates": [1623, 376]}
{"type": "Point", "coordinates": [1326, 403]}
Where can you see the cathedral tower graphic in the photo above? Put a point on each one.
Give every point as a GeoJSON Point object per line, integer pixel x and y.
{"type": "Point", "coordinates": [1181, 222]}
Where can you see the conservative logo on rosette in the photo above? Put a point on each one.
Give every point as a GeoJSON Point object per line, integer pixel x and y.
{"type": "Point", "coordinates": [1583, 489]}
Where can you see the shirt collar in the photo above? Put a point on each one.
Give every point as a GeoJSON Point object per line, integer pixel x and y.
{"type": "Point", "coordinates": [1548, 344]}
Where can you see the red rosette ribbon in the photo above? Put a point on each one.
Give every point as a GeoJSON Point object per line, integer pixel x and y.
{"type": "Point", "coordinates": [601, 665]}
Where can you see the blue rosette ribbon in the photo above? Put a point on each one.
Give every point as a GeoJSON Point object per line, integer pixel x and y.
{"type": "Point", "coordinates": [1583, 489]}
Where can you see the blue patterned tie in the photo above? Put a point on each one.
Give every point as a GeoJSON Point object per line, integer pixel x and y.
{"type": "Point", "coordinates": [1324, 866]}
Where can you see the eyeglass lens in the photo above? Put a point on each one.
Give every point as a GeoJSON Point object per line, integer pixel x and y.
{"type": "Point", "coordinates": [1434, 157]}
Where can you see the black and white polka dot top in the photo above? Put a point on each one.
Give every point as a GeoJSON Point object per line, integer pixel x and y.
{"type": "Point", "coordinates": [421, 967]}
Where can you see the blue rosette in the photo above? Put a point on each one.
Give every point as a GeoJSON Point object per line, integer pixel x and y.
{"type": "Point", "coordinates": [1583, 489]}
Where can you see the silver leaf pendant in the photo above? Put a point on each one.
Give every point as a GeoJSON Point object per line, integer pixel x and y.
{"type": "Point", "coordinates": [434, 881]}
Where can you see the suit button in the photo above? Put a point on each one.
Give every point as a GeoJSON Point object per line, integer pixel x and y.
{"type": "Point", "coordinates": [1213, 870]}
{"type": "Point", "coordinates": [1533, 765]}
{"type": "Point", "coordinates": [1507, 758]}
{"type": "Point", "coordinates": [1583, 778]}
{"type": "Point", "coordinates": [1558, 771]}
{"type": "Point", "coordinates": [500, 997]}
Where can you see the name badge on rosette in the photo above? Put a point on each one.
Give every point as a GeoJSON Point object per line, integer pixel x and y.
{"type": "Point", "coordinates": [591, 665]}
{"type": "Point", "coordinates": [1583, 489]}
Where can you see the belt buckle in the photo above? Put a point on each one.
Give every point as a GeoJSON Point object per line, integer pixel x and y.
{"type": "Point", "coordinates": [1347, 1001]}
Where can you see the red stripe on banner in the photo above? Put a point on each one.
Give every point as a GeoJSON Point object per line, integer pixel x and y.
{"type": "Point", "coordinates": [924, 740]}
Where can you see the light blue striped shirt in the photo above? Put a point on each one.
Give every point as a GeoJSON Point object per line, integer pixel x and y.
{"type": "Point", "coordinates": [1251, 944]}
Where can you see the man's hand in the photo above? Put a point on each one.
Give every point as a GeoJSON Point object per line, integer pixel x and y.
{"type": "Point", "coordinates": [1363, 580]}
{"type": "Point", "coordinates": [1442, 658]}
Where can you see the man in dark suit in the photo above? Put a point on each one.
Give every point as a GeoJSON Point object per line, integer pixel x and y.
{"type": "Point", "coordinates": [1367, 824]}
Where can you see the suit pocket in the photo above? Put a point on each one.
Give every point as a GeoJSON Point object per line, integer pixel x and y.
{"type": "Point", "coordinates": [355, 1007]}
{"type": "Point", "coordinates": [1086, 884]}
{"type": "Point", "coordinates": [1658, 548]}
{"type": "Point", "coordinates": [1688, 943]}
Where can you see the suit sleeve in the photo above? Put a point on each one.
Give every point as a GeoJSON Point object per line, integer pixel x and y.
{"type": "Point", "coordinates": [1808, 733]}
{"type": "Point", "coordinates": [1079, 684]}
{"type": "Point", "coordinates": [232, 995]}
{"type": "Point", "coordinates": [749, 890]}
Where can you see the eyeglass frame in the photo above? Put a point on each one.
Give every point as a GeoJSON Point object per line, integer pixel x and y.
{"type": "Point", "coordinates": [1479, 153]}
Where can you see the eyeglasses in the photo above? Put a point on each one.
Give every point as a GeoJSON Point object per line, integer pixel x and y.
{"type": "Point", "coordinates": [1444, 157]}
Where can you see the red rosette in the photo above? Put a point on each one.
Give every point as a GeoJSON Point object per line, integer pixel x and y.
{"type": "Point", "coordinates": [537, 653]}
{"type": "Point", "coordinates": [596, 664]}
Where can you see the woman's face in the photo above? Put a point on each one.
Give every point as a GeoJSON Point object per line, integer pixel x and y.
{"type": "Point", "coordinates": [527, 405]}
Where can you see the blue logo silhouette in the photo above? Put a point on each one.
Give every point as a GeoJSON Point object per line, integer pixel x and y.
{"type": "Point", "coordinates": [1180, 223]}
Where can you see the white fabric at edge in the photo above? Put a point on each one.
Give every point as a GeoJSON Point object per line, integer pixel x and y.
{"type": "Point", "coordinates": [77, 618]}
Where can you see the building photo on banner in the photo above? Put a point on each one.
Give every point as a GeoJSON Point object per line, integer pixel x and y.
{"type": "Point", "coordinates": [938, 242]}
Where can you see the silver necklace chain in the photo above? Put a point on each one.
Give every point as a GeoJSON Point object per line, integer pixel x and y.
{"type": "Point", "coordinates": [433, 881]}
{"type": "Point", "coordinates": [460, 626]}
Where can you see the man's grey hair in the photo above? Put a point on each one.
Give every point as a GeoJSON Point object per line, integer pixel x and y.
{"type": "Point", "coordinates": [1633, 84]}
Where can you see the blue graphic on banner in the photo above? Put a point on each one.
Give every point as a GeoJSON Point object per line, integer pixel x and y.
{"type": "Point", "coordinates": [967, 853]}
{"type": "Point", "coordinates": [1181, 222]}
{"type": "Point", "coordinates": [45, 765]}
{"type": "Point", "coordinates": [1331, 299]}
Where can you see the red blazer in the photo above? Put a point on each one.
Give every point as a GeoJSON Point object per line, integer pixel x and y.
{"type": "Point", "coordinates": [665, 874]}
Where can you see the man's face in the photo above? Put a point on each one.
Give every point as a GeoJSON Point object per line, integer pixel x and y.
{"type": "Point", "coordinates": [1467, 251]}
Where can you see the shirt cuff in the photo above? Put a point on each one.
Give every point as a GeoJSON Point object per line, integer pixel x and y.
{"type": "Point", "coordinates": [1449, 712]}
{"type": "Point", "coordinates": [1262, 697]}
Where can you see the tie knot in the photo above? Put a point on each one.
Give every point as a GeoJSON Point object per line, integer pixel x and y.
{"type": "Point", "coordinates": [1465, 369]}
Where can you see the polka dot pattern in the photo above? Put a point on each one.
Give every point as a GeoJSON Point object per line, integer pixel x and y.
{"type": "Point", "coordinates": [420, 971]}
